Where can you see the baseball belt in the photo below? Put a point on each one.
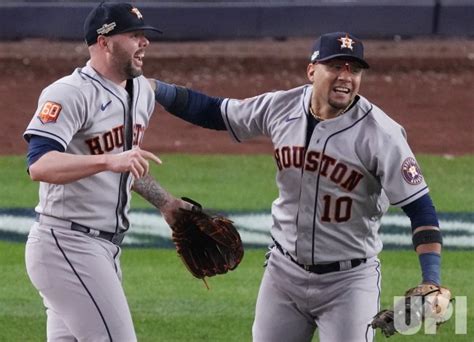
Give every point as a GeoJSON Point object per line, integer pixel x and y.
{"type": "Point", "coordinates": [115, 238]}
{"type": "Point", "coordinates": [322, 268]}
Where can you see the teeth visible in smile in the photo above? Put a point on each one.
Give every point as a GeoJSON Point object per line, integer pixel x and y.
{"type": "Point", "coordinates": [342, 90]}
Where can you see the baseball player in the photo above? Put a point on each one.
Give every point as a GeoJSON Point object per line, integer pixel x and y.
{"type": "Point", "coordinates": [84, 149]}
{"type": "Point", "coordinates": [341, 161]}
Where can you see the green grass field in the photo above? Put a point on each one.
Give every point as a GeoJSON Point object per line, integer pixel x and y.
{"type": "Point", "coordinates": [245, 182]}
{"type": "Point", "coordinates": [168, 304]}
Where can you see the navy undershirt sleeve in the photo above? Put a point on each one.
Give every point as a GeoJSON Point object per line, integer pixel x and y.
{"type": "Point", "coordinates": [38, 146]}
{"type": "Point", "coordinates": [430, 264]}
{"type": "Point", "coordinates": [165, 94]}
{"type": "Point", "coordinates": [191, 106]}
{"type": "Point", "coordinates": [421, 212]}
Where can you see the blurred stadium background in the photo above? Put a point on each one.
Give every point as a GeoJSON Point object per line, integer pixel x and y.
{"type": "Point", "coordinates": [207, 20]}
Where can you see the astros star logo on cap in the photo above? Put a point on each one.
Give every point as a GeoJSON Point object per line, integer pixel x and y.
{"type": "Point", "coordinates": [346, 42]}
{"type": "Point", "coordinates": [137, 13]}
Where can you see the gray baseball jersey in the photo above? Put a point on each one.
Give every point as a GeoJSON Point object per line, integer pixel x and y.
{"type": "Point", "coordinates": [333, 193]}
{"type": "Point", "coordinates": [88, 114]}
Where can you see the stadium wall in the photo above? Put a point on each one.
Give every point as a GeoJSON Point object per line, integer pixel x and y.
{"type": "Point", "coordinates": [211, 20]}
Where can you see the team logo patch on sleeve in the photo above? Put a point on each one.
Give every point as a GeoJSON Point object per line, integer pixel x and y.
{"type": "Point", "coordinates": [411, 172]}
{"type": "Point", "coordinates": [50, 112]}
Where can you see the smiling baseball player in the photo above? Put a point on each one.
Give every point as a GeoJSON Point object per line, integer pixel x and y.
{"type": "Point", "coordinates": [84, 149]}
{"type": "Point", "coordinates": [341, 161]}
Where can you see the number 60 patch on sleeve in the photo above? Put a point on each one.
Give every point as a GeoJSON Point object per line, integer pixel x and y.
{"type": "Point", "coordinates": [49, 112]}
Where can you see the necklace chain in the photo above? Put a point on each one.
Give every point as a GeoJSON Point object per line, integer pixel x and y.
{"type": "Point", "coordinates": [317, 117]}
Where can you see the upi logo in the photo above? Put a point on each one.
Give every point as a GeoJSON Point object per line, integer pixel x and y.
{"type": "Point", "coordinates": [413, 313]}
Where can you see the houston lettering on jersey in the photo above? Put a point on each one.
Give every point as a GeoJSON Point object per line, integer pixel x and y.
{"type": "Point", "coordinates": [336, 171]}
{"type": "Point", "coordinates": [114, 139]}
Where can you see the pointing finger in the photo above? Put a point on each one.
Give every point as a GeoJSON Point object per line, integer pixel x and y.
{"type": "Point", "coordinates": [150, 156]}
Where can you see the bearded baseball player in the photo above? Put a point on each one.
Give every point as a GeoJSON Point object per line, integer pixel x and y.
{"type": "Point", "coordinates": [84, 149]}
{"type": "Point", "coordinates": [341, 161]}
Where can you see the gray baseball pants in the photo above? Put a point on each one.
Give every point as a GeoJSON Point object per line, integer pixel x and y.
{"type": "Point", "coordinates": [79, 279]}
{"type": "Point", "coordinates": [293, 302]}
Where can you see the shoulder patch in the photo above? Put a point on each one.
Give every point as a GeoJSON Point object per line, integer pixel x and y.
{"type": "Point", "coordinates": [49, 112]}
{"type": "Point", "coordinates": [411, 172]}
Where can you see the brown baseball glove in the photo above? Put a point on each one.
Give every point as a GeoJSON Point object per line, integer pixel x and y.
{"type": "Point", "coordinates": [424, 303]}
{"type": "Point", "coordinates": [208, 245]}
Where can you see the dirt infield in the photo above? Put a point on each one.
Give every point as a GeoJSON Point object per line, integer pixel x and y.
{"type": "Point", "coordinates": [425, 85]}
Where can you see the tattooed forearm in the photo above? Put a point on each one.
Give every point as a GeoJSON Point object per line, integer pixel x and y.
{"type": "Point", "coordinates": [152, 191]}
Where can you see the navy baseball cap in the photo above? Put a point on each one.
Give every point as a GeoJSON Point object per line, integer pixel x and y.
{"type": "Point", "coordinates": [112, 18]}
{"type": "Point", "coordinates": [338, 45]}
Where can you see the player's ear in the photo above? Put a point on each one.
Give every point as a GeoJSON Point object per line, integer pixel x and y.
{"type": "Point", "coordinates": [102, 41]}
{"type": "Point", "coordinates": [310, 72]}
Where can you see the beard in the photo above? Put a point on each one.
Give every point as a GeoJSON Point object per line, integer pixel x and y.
{"type": "Point", "coordinates": [124, 63]}
{"type": "Point", "coordinates": [130, 71]}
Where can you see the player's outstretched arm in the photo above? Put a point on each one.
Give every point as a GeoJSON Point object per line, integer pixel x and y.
{"type": "Point", "coordinates": [153, 192]}
{"type": "Point", "coordinates": [189, 105]}
{"type": "Point", "coordinates": [61, 168]}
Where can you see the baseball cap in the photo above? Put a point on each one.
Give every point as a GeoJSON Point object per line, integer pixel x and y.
{"type": "Point", "coordinates": [338, 45]}
{"type": "Point", "coordinates": [112, 18]}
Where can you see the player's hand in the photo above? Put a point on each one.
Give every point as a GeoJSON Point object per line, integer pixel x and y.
{"type": "Point", "coordinates": [171, 208]}
{"type": "Point", "coordinates": [134, 161]}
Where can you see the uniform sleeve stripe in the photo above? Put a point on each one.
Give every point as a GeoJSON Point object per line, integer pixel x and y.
{"type": "Point", "coordinates": [228, 122]}
{"type": "Point", "coordinates": [34, 131]}
{"type": "Point", "coordinates": [406, 199]}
